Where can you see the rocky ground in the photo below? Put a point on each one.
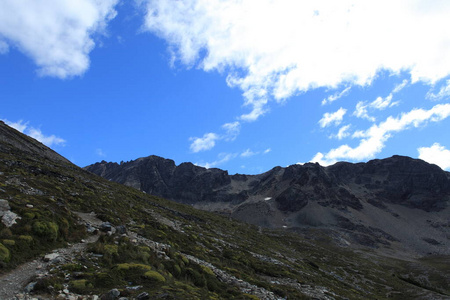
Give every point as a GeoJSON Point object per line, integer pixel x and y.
{"type": "Point", "coordinates": [19, 283]}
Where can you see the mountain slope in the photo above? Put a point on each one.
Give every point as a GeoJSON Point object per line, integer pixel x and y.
{"type": "Point", "coordinates": [158, 249]}
{"type": "Point", "coordinates": [398, 203]}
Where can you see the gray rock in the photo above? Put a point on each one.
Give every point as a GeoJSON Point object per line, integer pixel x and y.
{"type": "Point", "coordinates": [4, 205]}
{"type": "Point", "coordinates": [111, 295]}
{"type": "Point", "coordinates": [134, 288]}
{"type": "Point", "coordinates": [9, 218]}
{"type": "Point", "coordinates": [106, 227]}
{"type": "Point", "coordinates": [51, 257]}
{"type": "Point", "coordinates": [30, 287]}
{"type": "Point", "coordinates": [143, 296]}
{"type": "Point", "coordinates": [121, 229]}
{"type": "Point", "coordinates": [90, 228]}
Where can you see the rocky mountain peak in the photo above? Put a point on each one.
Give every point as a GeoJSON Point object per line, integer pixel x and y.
{"type": "Point", "coordinates": [346, 196]}
{"type": "Point", "coordinates": [13, 140]}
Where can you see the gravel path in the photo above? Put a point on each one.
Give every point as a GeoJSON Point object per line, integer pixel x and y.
{"type": "Point", "coordinates": [15, 281]}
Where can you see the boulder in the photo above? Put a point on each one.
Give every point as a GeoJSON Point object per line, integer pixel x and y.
{"type": "Point", "coordinates": [9, 218]}
{"type": "Point", "coordinates": [111, 295]}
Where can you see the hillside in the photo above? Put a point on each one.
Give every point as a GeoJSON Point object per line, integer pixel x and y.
{"type": "Point", "coordinates": [108, 239]}
{"type": "Point", "coordinates": [397, 205]}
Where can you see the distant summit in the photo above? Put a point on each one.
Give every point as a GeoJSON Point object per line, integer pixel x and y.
{"type": "Point", "coordinates": [381, 201]}
{"type": "Point", "coordinates": [397, 180]}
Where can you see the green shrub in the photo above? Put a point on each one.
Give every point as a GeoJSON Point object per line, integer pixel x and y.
{"type": "Point", "coordinates": [196, 277]}
{"type": "Point", "coordinates": [29, 215]}
{"type": "Point", "coordinates": [104, 280]}
{"type": "Point", "coordinates": [5, 255]}
{"type": "Point", "coordinates": [207, 270]}
{"type": "Point", "coordinates": [48, 230]}
{"type": "Point", "coordinates": [128, 266]}
{"type": "Point", "coordinates": [111, 249]}
{"type": "Point", "coordinates": [26, 238]}
{"type": "Point", "coordinates": [9, 242]}
{"type": "Point", "coordinates": [154, 276]}
{"type": "Point", "coordinates": [72, 267]}
{"type": "Point", "coordinates": [79, 286]}
{"type": "Point", "coordinates": [48, 284]}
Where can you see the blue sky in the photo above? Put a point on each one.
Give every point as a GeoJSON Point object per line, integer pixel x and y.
{"type": "Point", "coordinates": [238, 85]}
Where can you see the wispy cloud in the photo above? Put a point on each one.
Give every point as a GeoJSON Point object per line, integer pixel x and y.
{"type": "Point", "coordinates": [232, 130]}
{"type": "Point", "coordinates": [226, 157]}
{"type": "Point", "coordinates": [222, 158]}
{"type": "Point", "coordinates": [248, 153]}
{"type": "Point", "coordinates": [48, 140]}
{"type": "Point", "coordinates": [57, 35]}
{"type": "Point", "coordinates": [267, 48]}
{"type": "Point", "coordinates": [336, 96]}
{"type": "Point", "coordinates": [342, 133]}
{"type": "Point", "coordinates": [380, 103]}
{"type": "Point", "coordinates": [400, 86]}
{"type": "Point", "coordinates": [444, 92]}
{"type": "Point", "coordinates": [436, 154]}
{"type": "Point", "coordinates": [374, 139]}
{"type": "Point", "coordinates": [332, 118]}
{"type": "Point", "coordinates": [207, 142]}
{"type": "Point", "coordinates": [19, 125]}
{"type": "Point", "coordinates": [361, 111]}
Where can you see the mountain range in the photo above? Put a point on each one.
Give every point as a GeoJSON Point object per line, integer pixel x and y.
{"type": "Point", "coordinates": [309, 232]}
{"type": "Point", "coordinates": [397, 202]}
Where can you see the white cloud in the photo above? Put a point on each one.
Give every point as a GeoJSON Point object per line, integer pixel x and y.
{"type": "Point", "coordinates": [268, 50]}
{"type": "Point", "coordinates": [436, 154]}
{"type": "Point", "coordinates": [380, 103]}
{"type": "Point", "coordinates": [342, 133]}
{"type": "Point", "coordinates": [248, 153]}
{"type": "Point", "coordinates": [361, 111]}
{"type": "Point", "coordinates": [268, 150]}
{"type": "Point", "coordinates": [56, 34]}
{"type": "Point", "coordinates": [222, 158]}
{"type": "Point", "coordinates": [336, 96]}
{"type": "Point", "coordinates": [48, 140]}
{"type": "Point", "coordinates": [444, 92]}
{"type": "Point", "coordinates": [374, 139]}
{"type": "Point", "coordinates": [19, 125]}
{"type": "Point", "coordinates": [207, 142]}
{"type": "Point", "coordinates": [232, 130]}
{"type": "Point", "coordinates": [332, 118]}
{"type": "Point", "coordinates": [400, 86]}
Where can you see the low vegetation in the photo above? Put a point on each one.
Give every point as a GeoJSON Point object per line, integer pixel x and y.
{"type": "Point", "coordinates": [156, 254]}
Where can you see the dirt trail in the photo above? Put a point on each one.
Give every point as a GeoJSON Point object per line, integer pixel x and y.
{"type": "Point", "coordinates": [14, 282]}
